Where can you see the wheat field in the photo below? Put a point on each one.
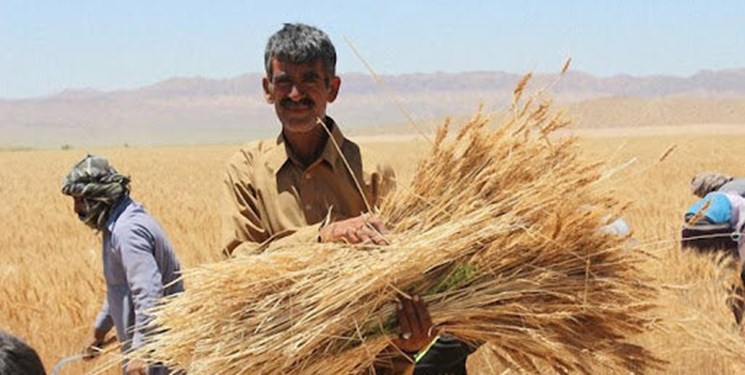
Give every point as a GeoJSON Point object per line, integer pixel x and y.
{"type": "Point", "coordinates": [51, 277]}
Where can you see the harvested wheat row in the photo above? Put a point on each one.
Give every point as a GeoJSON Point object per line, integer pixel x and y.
{"type": "Point", "coordinates": [501, 232]}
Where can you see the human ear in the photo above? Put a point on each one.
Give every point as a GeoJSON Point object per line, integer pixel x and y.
{"type": "Point", "coordinates": [267, 90]}
{"type": "Point", "coordinates": [334, 86]}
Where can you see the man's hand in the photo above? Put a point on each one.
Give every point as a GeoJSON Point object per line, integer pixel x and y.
{"type": "Point", "coordinates": [94, 345]}
{"type": "Point", "coordinates": [415, 324]}
{"type": "Point", "coordinates": [136, 367]}
{"type": "Point", "coordinates": [363, 228]}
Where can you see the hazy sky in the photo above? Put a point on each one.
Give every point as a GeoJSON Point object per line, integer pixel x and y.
{"type": "Point", "coordinates": [48, 46]}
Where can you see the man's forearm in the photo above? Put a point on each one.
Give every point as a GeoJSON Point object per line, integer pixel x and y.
{"type": "Point", "coordinates": [103, 322]}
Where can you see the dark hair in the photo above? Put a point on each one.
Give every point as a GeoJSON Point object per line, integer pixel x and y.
{"type": "Point", "coordinates": [18, 358]}
{"type": "Point", "coordinates": [299, 44]}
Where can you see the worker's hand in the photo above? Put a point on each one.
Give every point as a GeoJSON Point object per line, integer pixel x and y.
{"type": "Point", "coordinates": [415, 323]}
{"type": "Point", "coordinates": [136, 367]}
{"type": "Point", "coordinates": [363, 228]}
{"type": "Point", "coordinates": [94, 345]}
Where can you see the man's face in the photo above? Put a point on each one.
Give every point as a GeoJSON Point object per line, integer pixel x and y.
{"type": "Point", "coordinates": [80, 207]}
{"type": "Point", "coordinates": [300, 93]}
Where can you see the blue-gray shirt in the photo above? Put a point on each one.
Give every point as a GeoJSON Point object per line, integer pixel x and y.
{"type": "Point", "coordinates": [139, 266]}
{"type": "Point", "coordinates": [736, 186]}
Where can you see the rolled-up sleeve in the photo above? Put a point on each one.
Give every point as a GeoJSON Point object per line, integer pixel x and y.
{"type": "Point", "coordinates": [242, 224]}
{"type": "Point", "coordinates": [144, 279]}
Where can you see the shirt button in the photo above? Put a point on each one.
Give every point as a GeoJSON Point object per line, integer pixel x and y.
{"type": "Point", "coordinates": [307, 207]}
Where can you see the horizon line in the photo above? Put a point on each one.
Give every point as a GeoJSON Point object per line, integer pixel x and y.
{"type": "Point", "coordinates": [208, 78]}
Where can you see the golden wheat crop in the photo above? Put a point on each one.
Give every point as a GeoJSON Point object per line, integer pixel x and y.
{"type": "Point", "coordinates": [51, 278]}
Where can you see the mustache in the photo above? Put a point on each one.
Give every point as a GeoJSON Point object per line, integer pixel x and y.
{"type": "Point", "coordinates": [304, 102]}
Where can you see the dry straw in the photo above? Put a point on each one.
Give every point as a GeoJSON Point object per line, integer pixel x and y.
{"type": "Point", "coordinates": [501, 231]}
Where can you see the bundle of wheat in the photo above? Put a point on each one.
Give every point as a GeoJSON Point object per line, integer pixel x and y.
{"type": "Point", "coordinates": [501, 232]}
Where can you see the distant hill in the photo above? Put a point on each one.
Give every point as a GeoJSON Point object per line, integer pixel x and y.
{"type": "Point", "coordinates": [200, 110]}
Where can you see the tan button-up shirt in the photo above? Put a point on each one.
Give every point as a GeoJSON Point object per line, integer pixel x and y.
{"type": "Point", "coordinates": [271, 195]}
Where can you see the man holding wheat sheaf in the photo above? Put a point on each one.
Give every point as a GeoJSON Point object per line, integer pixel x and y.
{"type": "Point", "coordinates": [312, 184]}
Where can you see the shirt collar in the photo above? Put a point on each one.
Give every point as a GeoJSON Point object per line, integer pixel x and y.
{"type": "Point", "coordinates": [281, 154]}
{"type": "Point", "coordinates": [117, 211]}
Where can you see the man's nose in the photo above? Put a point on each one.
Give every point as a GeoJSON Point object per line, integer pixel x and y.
{"type": "Point", "coordinates": [296, 93]}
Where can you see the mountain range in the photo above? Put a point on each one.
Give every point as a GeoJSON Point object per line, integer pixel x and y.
{"type": "Point", "coordinates": [201, 110]}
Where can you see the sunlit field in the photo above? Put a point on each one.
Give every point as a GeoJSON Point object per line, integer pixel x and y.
{"type": "Point", "coordinates": [52, 284]}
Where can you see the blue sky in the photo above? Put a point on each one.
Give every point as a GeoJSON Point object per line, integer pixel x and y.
{"type": "Point", "coordinates": [49, 46]}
